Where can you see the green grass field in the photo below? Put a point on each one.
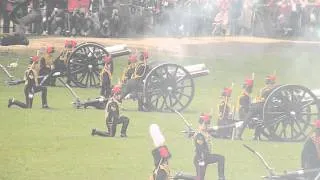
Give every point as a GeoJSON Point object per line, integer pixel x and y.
{"type": "Point", "coordinates": [57, 144]}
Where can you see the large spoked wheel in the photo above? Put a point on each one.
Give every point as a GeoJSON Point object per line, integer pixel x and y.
{"type": "Point", "coordinates": [168, 87]}
{"type": "Point", "coordinates": [85, 64]}
{"type": "Point", "coordinates": [289, 112]}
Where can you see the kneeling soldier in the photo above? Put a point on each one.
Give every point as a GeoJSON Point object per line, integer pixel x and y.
{"type": "Point", "coordinates": [203, 157]}
{"type": "Point", "coordinates": [31, 87]}
{"type": "Point", "coordinates": [113, 118]}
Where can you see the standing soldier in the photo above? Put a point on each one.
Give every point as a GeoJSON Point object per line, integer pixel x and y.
{"type": "Point", "coordinates": [245, 98]}
{"type": "Point", "coordinates": [105, 90]}
{"type": "Point", "coordinates": [127, 74]}
{"type": "Point", "coordinates": [310, 156]}
{"type": "Point", "coordinates": [31, 87]}
{"type": "Point", "coordinates": [113, 118]}
{"type": "Point", "coordinates": [257, 107]}
{"type": "Point", "coordinates": [46, 62]}
{"type": "Point", "coordinates": [224, 113]}
{"type": "Point", "coordinates": [59, 64]}
{"type": "Point", "coordinates": [160, 153]}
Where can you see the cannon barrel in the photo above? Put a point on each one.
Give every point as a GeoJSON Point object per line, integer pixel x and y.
{"type": "Point", "coordinates": [197, 70]}
{"type": "Point", "coordinates": [118, 50]}
{"type": "Point", "coordinates": [316, 92]}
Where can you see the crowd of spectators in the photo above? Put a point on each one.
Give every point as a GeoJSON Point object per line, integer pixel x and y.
{"type": "Point", "coordinates": [118, 18]}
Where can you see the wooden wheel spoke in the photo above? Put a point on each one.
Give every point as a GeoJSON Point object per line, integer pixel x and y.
{"type": "Point", "coordinates": [78, 70]}
{"type": "Point", "coordinates": [170, 100]}
{"type": "Point", "coordinates": [83, 76]}
{"type": "Point", "coordinates": [275, 113]}
{"type": "Point", "coordinates": [87, 77]}
{"type": "Point", "coordinates": [276, 126]}
{"type": "Point", "coordinates": [177, 92]}
{"type": "Point", "coordinates": [167, 72]}
{"type": "Point", "coordinates": [157, 102]}
{"type": "Point", "coordinates": [312, 102]}
{"type": "Point", "coordinates": [309, 114]}
{"type": "Point", "coordinates": [298, 125]}
{"type": "Point", "coordinates": [293, 130]}
{"type": "Point", "coordinates": [178, 100]}
{"type": "Point", "coordinates": [77, 63]}
{"type": "Point", "coordinates": [182, 87]}
{"type": "Point", "coordinates": [283, 132]}
{"type": "Point", "coordinates": [163, 102]}
{"type": "Point", "coordinates": [181, 79]}
{"type": "Point", "coordinates": [175, 71]}
{"type": "Point", "coordinates": [93, 79]}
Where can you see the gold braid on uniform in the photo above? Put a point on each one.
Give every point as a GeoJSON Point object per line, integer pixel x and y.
{"type": "Point", "coordinates": [125, 77]}
{"type": "Point", "coordinates": [35, 75]}
{"type": "Point", "coordinates": [107, 70]}
{"type": "Point", "coordinates": [137, 73]}
{"type": "Point", "coordinates": [64, 55]}
{"type": "Point", "coordinates": [262, 97]}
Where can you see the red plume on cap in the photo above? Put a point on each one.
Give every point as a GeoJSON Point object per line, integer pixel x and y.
{"type": "Point", "coordinates": [248, 82]}
{"type": "Point", "coordinates": [317, 124]}
{"type": "Point", "coordinates": [50, 49]}
{"type": "Point", "coordinates": [133, 58]}
{"type": "Point", "coordinates": [205, 117]}
{"type": "Point", "coordinates": [164, 152]}
{"type": "Point", "coordinates": [70, 43]}
{"type": "Point", "coordinates": [227, 92]}
{"type": "Point", "coordinates": [271, 77]}
{"type": "Point", "coordinates": [116, 89]}
{"type": "Point", "coordinates": [107, 59]}
{"type": "Point", "coordinates": [145, 54]}
{"type": "Point", "coordinates": [35, 58]}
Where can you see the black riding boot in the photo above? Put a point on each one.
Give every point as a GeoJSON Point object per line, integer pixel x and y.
{"type": "Point", "coordinates": [112, 129]}
{"type": "Point", "coordinates": [44, 97]}
{"type": "Point", "coordinates": [125, 122]}
{"type": "Point", "coordinates": [95, 103]}
{"type": "Point", "coordinates": [100, 133]}
{"type": "Point", "coordinates": [140, 104]}
{"type": "Point", "coordinates": [17, 103]}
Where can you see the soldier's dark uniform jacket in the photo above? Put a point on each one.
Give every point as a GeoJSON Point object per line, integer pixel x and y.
{"type": "Point", "coordinates": [310, 156]}
{"type": "Point", "coordinates": [161, 155]}
{"type": "Point", "coordinates": [140, 71]}
{"type": "Point", "coordinates": [31, 87]}
{"type": "Point", "coordinates": [224, 119]}
{"type": "Point", "coordinates": [113, 118]}
{"type": "Point", "coordinates": [265, 92]}
{"type": "Point", "coordinates": [135, 84]}
{"type": "Point", "coordinates": [127, 74]}
{"type": "Point", "coordinates": [105, 90]}
{"type": "Point", "coordinates": [224, 111]}
{"type": "Point", "coordinates": [245, 99]}
{"type": "Point", "coordinates": [257, 108]}
{"type": "Point", "coordinates": [244, 105]}
{"type": "Point", "coordinates": [203, 157]}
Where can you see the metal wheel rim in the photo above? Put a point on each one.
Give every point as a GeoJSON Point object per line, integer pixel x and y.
{"type": "Point", "coordinates": [290, 109]}
{"type": "Point", "coordinates": [166, 85]}
{"type": "Point", "coordinates": [85, 64]}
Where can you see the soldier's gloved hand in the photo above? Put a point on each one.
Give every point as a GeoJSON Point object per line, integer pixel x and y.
{"type": "Point", "coordinates": [101, 99]}
{"type": "Point", "coordinates": [201, 163]}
